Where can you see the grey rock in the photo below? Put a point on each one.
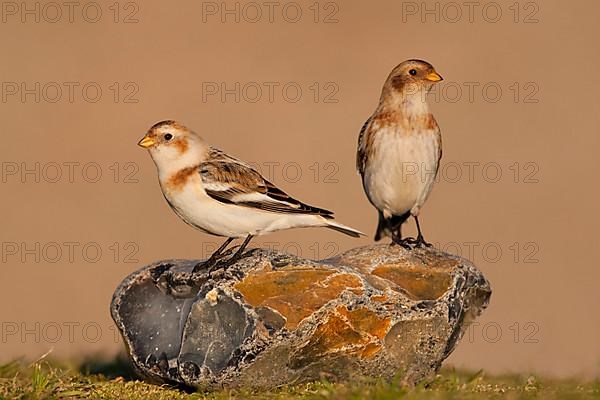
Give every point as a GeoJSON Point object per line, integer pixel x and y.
{"type": "Point", "coordinates": [273, 318]}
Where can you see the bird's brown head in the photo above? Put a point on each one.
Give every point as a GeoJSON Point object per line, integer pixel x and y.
{"type": "Point", "coordinates": [168, 141]}
{"type": "Point", "coordinates": [166, 133]}
{"type": "Point", "coordinates": [412, 76]}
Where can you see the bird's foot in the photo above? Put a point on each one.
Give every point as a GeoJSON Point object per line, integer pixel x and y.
{"type": "Point", "coordinates": [418, 242]}
{"type": "Point", "coordinates": [181, 284]}
{"type": "Point", "coordinates": [402, 242]}
{"type": "Point", "coordinates": [222, 265]}
{"type": "Point", "coordinates": [206, 265]}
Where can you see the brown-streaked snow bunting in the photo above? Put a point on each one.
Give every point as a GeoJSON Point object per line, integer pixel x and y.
{"type": "Point", "coordinates": [221, 195]}
{"type": "Point", "coordinates": [399, 150]}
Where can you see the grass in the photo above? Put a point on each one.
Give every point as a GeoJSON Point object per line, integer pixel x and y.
{"type": "Point", "coordinates": [114, 380]}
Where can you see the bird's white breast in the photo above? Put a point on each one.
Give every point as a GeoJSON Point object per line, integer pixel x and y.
{"type": "Point", "coordinates": [402, 169]}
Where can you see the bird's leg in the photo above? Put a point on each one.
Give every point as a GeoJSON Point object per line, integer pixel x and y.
{"type": "Point", "coordinates": [397, 236]}
{"type": "Point", "coordinates": [214, 257]}
{"type": "Point", "coordinates": [420, 239]}
{"type": "Point", "coordinates": [240, 251]}
{"type": "Point", "coordinates": [236, 257]}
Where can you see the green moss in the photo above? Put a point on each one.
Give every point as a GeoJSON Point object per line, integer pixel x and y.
{"type": "Point", "coordinates": [114, 380]}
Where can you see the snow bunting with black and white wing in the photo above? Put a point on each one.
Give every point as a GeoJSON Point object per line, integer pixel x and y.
{"type": "Point", "coordinates": [221, 195]}
{"type": "Point", "coordinates": [399, 150]}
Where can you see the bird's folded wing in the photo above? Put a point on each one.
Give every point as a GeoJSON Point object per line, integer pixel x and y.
{"type": "Point", "coordinates": [361, 152]}
{"type": "Point", "coordinates": [232, 182]}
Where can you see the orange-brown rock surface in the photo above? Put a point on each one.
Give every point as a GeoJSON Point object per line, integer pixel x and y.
{"type": "Point", "coordinates": [273, 318]}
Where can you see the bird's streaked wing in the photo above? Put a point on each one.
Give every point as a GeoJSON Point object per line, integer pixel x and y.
{"type": "Point", "coordinates": [361, 152]}
{"type": "Point", "coordinates": [231, 181]}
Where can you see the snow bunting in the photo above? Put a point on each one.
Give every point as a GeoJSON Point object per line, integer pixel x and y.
{"type": "Point", "coordinates": [221, 195]}
{"type": "Point", "coordinates": [399, 150]}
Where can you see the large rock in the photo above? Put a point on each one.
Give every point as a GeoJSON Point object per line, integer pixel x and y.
{"type": "Point", "coordinates": [273, 318]}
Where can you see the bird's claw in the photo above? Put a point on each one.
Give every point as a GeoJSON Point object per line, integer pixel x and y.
{"type": "Point", "coordinates": [212, 261]}
{"type": "Point", "coordinates": [411, 243]}
{"type": "Point", "coordinates": [222, 265]}
{"type": "Point", "coordinates": [418, 242]}
{"type": "Point", "coordinates": [182, 284]}
{"type": "Point", "coordinates": [402, 242]}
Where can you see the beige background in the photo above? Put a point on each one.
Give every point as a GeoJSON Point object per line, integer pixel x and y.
{"type": "Point", "coordinates": [546, 310]}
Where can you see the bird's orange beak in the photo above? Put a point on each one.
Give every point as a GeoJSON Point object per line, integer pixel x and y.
{"type": "Point", "coordinates": [146, 142]}
{"type": "Point", "coordinates": [434, 77]}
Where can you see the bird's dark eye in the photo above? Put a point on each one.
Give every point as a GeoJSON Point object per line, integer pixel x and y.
{"type": "Point", "coordinates": [413, 72]}
{"type": "Point", "coordinates": [168, 136]}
